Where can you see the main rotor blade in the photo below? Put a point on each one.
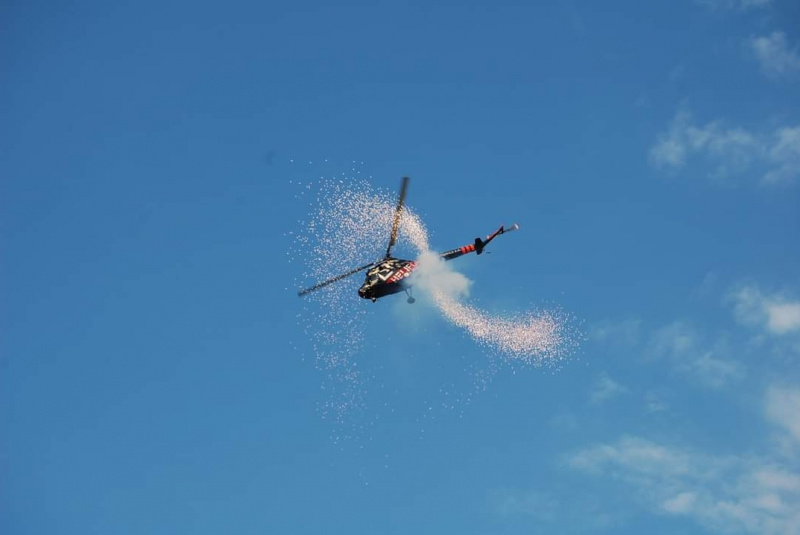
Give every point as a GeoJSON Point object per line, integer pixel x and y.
{"type": "Point", "coordinates": [322, 284]}
{"type": "Point", "coordinates": [398, 212]}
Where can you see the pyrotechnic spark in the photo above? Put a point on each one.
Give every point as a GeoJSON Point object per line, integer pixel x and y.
{"type": "Point", "coordinates": [535, 337]}
{"type": "Point", "coordinates": [348, 226]}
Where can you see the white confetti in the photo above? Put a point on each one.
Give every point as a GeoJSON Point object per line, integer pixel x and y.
{"type": "Point", "coordinates": [348, 226]}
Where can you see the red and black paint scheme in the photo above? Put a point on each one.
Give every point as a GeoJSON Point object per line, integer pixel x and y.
{"type": "Point", "coordinates": [389, 275]}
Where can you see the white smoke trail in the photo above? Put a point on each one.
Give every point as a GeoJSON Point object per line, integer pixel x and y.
{"type": "Point", "coordinates": [532, 336]}
{"type": "Point", "coordinates": [433, 276]}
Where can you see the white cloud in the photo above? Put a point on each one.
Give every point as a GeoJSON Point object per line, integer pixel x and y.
{"type": "Point", "coordinates": [635, 457]}
{"type": "Point", "coordinates": [783, 317]}
{"type": "Point", "coordinates": [784, 156]}
{"type": "Point", "coordinates": [729, 150]}
{"type": "Point", "coordinates": [671, 148]}
{"type": "Point", "coordinates": [774, 54]}
{"type": "Point", "coordinates": [683, 503]}
{"type": "Point", "coordinates": [716, 372]}
{"type": "Point", "coordinates": [655, 401]}
{"type": "Point", "coordinates": [728, 494]}
{"type": "Point", "coordinates": [605, 388]}
{"type": "Point", "coordinates": [691, 355]}
{"type": "Point", "coordinates": [625, 332]}
{"type": "Point", "coordinates": [586, 514]}
{"type": "Point", "coordinates": [783, 409]}
{"type": "Point", "coordinates": [565, 421]}
{"type": "Point", "coordinates": [740, 5]}
{"type": "Point", "coordinates": [676, 340]}
{"type": "Point", "coordinates": [773, 479]}
{"type": "Point", "coordinates": [723, 494]}
{"type": "Point", "coordinates": [775, 313]}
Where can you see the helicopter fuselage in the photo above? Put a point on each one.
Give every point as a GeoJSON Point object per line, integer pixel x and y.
{"type": "Point", "coordinates": [390, 275]}
{"type": "Point", "coordinates": [386, 278]}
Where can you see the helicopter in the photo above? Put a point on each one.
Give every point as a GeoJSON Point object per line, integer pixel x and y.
{"type": "Point", "coordinates": [388, 275]}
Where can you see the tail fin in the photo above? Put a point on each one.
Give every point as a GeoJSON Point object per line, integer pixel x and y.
{"type": "Point", "coordinates": [479, 245]}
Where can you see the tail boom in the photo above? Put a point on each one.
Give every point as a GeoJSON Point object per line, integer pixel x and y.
{"type": "Point", "coordinates": [478, 246]}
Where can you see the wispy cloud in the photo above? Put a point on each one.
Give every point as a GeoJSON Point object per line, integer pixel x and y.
{"type": "Point", "coordinates": [733, 148]}
{"type": "Point", "coordinates": [723, 494]}
{"type": "Point", "coordinates": [656, 401]}
{"type": "Point", "coordinates": [739, 5]}
{"type": "Point", "coordinates": [624, 332]}
{"type": "Point", "coordinates": [774, 55]}
{"type": "Point", "coordinates": [775, 313]}
{"type": "Point", "coordinates": [605, 388]}
{"type": "Point", "coordinates": [634, 456]}
{"type": "Point", "coordinates": [692, 355]}
{"type": "Point", "coordinates": [729, 150]}
{"type": "Point", "coordinates": [543, 507]}
{"type": "Point", "coordinates": [705, 360]}
{"type": "Point", "coordinates": [734, 493]}
{"type": "Point", "coordinates": [565, 421]}
{"type": "Point", "coordinates": [783, 409]}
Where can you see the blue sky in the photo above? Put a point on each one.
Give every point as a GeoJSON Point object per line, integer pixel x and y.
{"type": "Point", "coordinates": [155, 372]}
